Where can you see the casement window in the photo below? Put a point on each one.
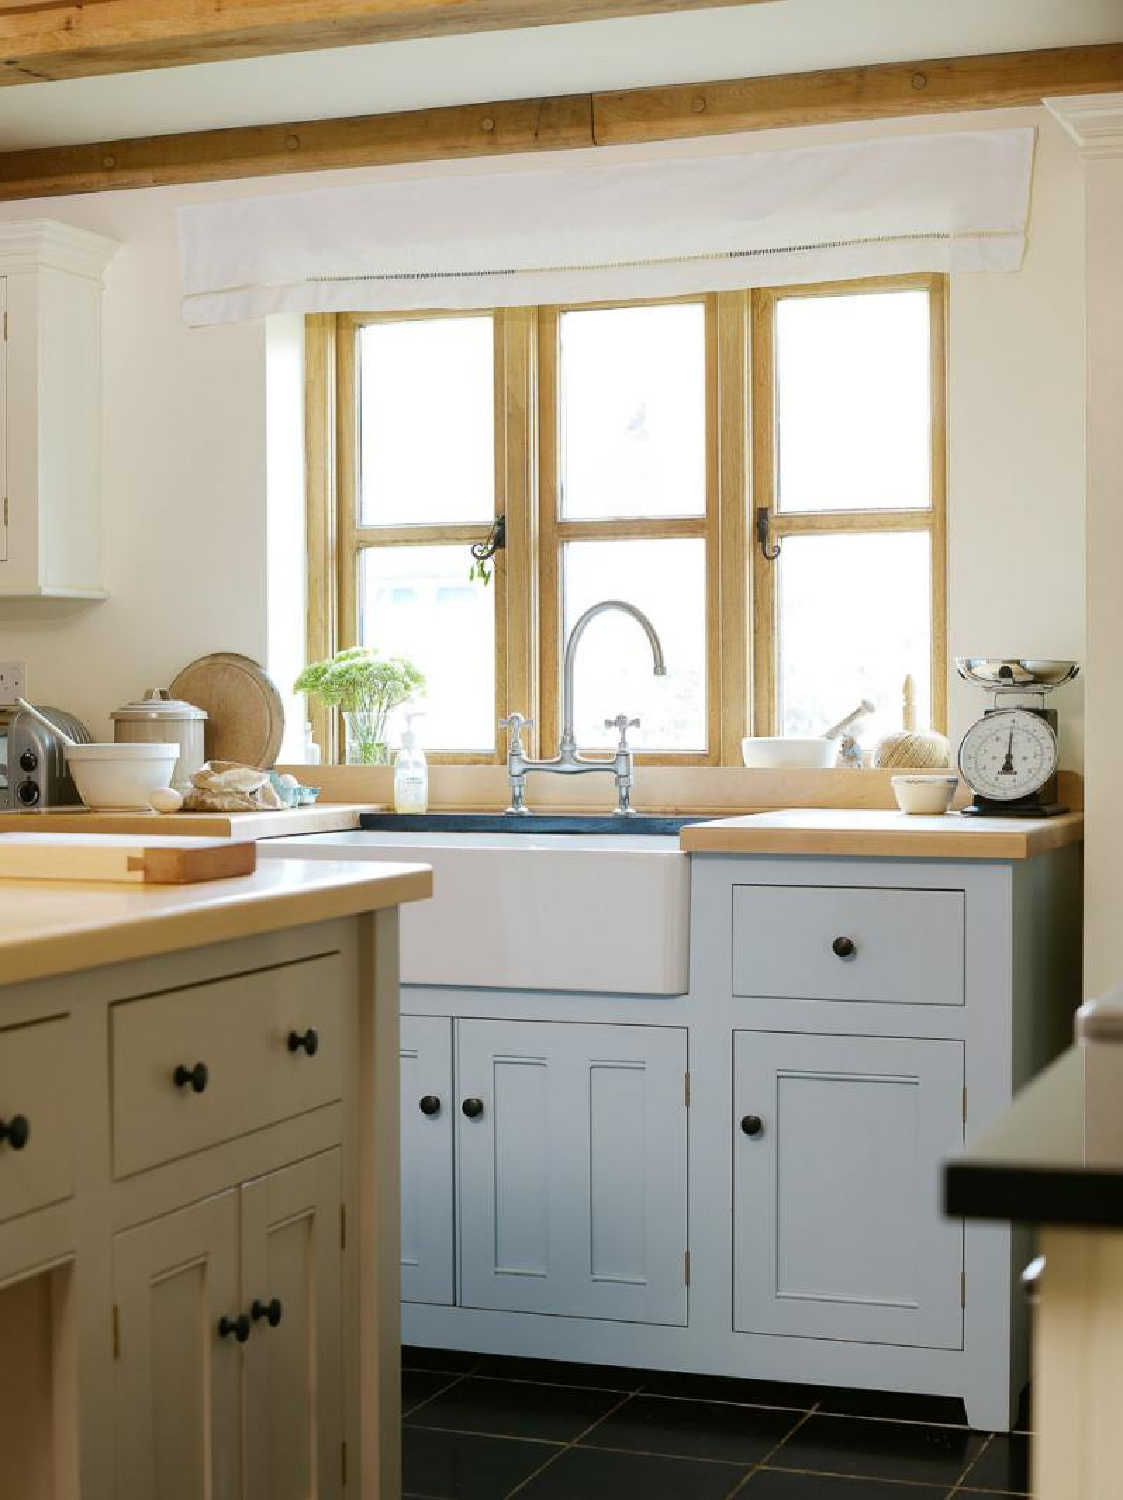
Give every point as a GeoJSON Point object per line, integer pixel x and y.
{"type": "Point", "coordinates": [762, 473]}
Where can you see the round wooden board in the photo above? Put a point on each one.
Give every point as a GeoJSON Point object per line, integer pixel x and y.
{"type": "Point", "coordinates": [245, 712]}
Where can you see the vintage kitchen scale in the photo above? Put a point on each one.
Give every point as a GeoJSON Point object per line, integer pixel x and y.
{"type": "Point", "coordinates": [1009, 757]}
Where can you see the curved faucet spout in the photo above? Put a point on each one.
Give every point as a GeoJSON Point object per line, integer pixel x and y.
{"type": "Point", "coordinates": [568, 747]}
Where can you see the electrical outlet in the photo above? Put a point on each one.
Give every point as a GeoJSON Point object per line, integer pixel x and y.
{"type": "Point", "coordinates": [13, 681]}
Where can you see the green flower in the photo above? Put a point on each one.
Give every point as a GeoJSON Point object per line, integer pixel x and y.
{"type": "Point", "coordinates": [362, 680]}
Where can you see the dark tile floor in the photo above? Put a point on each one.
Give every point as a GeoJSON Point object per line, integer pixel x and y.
{"type": "Point", "coordinates": [478, 1427]}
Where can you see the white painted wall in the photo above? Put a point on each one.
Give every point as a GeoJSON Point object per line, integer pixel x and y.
{"type": "Point", "coordinates": [188, 466]}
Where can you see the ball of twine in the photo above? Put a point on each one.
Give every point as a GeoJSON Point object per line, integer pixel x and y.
{"type": "Point", "coordinates": [912, 748]}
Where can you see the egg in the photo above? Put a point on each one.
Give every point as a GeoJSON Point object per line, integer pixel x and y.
{"type": "Point", "coordinates": [165, 799]}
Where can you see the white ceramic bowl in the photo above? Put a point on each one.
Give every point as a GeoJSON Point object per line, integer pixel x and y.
{"type": "Point", "coordinates": [924, 794]}
{"type": "Point", "coordinates": [118, 778]}
{"type": "Point", "coordinates": [767, 752]}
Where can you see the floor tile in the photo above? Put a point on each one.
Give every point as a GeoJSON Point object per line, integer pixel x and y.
{"type": "Point", "coordinates": [464, 1466]}
{"type": "Point", "coordinates": [879, 1450]}
{"type": "Point", "coordinates": [588, 1474]}
{"type": "Point", "coordinates": [1003, 1465]}
{"type": "Point", "coordinates": [420, 1385]}
{"type": "Point", "coordinates": [694, 1429]}
{"type": "Point", "coordinates": [726, 1388]}
{"type": "Point", "coordinates": [455, 1360]}
{"type": "Point", "coordinates": [516, 1409]}
{"type": "Point", "coordinates": [560, 1372]}
{"type": "Point", "coordinates": [775, 1484]}
{"type": "Point", "coordinates": [896, 1406]}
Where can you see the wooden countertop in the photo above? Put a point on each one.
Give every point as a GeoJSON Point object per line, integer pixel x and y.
{"type": "Point", "coordinates": [857, 834]}
{"type": "Point", "coordinates": [323, 817]}
{"type": "Point", "coordinates": [56, 927]}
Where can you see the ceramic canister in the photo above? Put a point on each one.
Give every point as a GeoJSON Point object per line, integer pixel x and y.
{"type": "Point", "coordinates": [158, 716]}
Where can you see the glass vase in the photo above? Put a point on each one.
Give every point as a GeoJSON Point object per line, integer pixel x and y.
{"type": "Point", "coordinates": [366, 742]}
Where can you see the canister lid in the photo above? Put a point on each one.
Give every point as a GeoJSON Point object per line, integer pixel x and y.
{"type": "Point", "coordinates": [157, 703]}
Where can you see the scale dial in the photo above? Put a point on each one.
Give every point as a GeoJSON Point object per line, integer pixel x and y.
{"type": "Point", "coordinates": [1008, 754]}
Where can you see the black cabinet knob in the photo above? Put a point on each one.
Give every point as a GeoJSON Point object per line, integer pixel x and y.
{"type": "Point", "coordinates": [752, 1125]}
{"type": "Point", "coordinates": [271, 1311]}
{"type": "Point", "coordinates": [306, 1041]}
{"type": "Point", "coordinates": [844, 947]}
{"type": "Point", "coordinates": [473, 1108]}
{"type": "Point", "coordinates": [15, 1132]}
{"type": "Point", "coordinates": [195, 1078]}
{"type": "Point", "coordinates": [239, 1327]}
{"type": "Point", "coordinates": [429, 1104]}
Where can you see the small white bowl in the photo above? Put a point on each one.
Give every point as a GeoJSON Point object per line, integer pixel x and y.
{"type": "Point", "coordinates": [924, 794]}
{"type": "Point", "coordinates": [769, 752]}
{"type": "Point", "coordinates": [121, 778]}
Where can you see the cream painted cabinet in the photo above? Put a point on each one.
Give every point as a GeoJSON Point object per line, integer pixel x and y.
{"type": "Point", "coordinates": [229, 1374]}
{"type": "Point", "coordinates": [571, 1169]}
{"type": "Point", "coordinates": [51, 284]}
{"type": "Point", "coordinates": [177, 1398]}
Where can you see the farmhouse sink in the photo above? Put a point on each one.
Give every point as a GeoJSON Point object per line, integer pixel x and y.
{"type": "Point", "coordinates": [533, 910]}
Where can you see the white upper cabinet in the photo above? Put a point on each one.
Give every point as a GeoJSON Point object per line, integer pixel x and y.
{"type": "Point", "coordinates": [51, 282]}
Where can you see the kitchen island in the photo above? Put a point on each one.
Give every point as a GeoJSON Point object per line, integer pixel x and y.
{"type": "Point", "coordinates": [199, 1186]}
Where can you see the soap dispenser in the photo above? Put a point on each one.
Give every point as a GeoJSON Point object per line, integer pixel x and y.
{"type": "Point", "coordinates": [411, 772]}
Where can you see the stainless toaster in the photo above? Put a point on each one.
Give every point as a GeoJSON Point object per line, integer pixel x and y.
{"type": "Point", "coordinates": [33, 769]}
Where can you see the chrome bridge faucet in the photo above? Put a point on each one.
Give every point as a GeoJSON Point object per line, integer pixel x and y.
{"type": "Point", "coordinates": [568, 762]}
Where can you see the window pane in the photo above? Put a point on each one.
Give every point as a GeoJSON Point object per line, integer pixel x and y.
{"type": "Point", "coordinates": [667, 580]}
{"type": "Point", "coordinates": [417, 602]}
{"type": "Point", "coordinates": [633, 412]}
{"type": "Point", "coordinates": [427, 422]}
{"type": "Point", "coordinates": [854, 619]}
{"type": "Point", "coordinates": [853, 402]}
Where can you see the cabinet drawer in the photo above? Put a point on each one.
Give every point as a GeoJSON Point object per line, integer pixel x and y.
{"type": "Point", "coordinates": [239, 1030]}
{"type": "Point", "coordinates": [848, 943]}
{"type": "Point", "coordinates": [35, 1084]}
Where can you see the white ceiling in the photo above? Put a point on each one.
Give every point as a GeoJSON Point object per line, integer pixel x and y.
{"type": "Point", "coordinates": [786, 35]}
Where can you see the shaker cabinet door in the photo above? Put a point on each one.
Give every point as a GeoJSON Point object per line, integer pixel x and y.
{"type": "Point", "coordinates": [177, 1402]}
{"type": "Point", "coordinates": [428, 1111]}
{"type": "Point", "coordinates": [838, 1143]}
{"type": "Point", "coordinates": [572, 1169]}
{"type": "Point", "coordinates": [291, 1282]}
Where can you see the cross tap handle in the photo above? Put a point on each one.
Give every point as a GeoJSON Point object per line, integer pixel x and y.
{"type": "Point", "coordinates": [623, 724]}
{"type": "Point", "coordinates": [515, 724]}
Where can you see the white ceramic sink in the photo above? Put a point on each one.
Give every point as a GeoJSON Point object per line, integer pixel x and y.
{"type": "Point", "coordinates": [533, 911]}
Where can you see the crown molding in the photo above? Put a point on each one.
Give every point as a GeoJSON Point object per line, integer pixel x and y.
{"type": "Point", "coordinates": [1094, 121]}
{"type": "Point", "coordinates": [48, 244]}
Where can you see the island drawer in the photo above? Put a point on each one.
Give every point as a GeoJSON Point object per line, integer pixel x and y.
{"type": "Point", "coordinates": [848, 943]}
{"type": "Point", "coordinates": [36, 1115]}
{"type": "Point", "coordinates": [194, 1067]}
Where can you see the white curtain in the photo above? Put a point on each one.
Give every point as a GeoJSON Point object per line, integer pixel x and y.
{"type": "Point", "coordinates": [598, 230]}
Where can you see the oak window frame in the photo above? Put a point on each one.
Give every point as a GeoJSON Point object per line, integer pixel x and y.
{"type": "Point", "coordinates": [741, 622]}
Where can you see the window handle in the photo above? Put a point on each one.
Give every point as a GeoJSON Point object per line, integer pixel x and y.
{"type": "Point", "coordinates": [763, 534]}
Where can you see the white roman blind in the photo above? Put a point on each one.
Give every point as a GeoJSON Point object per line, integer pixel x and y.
{"type": "Point", "coordinates": [955, 201]}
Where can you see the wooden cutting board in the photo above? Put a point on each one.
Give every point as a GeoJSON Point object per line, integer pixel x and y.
{"type": "Point", "coordinates": [245, 711]}
{"type": "Point", "coordinates": [116, 858]}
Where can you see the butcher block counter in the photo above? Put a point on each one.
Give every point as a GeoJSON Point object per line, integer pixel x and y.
{"type": "Point", "coordinates": [858, 833]}
{"type": "Point", "coordinates": [323, 817]}
{"type": "Point", "coordinates": [199, 1144]}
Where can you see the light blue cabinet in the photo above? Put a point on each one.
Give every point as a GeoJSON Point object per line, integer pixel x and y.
{"type": "Point", "coordinates": [837, 1147]}
{"type": "Point", "coordinates": [427, 1163]}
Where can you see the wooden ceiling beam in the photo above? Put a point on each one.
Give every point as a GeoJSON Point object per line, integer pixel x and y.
{"type": "Point", "coordinates": [57, 39]}
{"type": "Point", "coordinates": [574, 121]}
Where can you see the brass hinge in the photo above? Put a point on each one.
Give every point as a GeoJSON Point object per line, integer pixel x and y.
{"type": "Point", "coordinates": [116, 1332]}
{"type": "Point", "coordinates": [686, 1087]}
{"type": "Point", "coordinates": [965, 1104]}
{"type": "Point", "coordinates": [343, 1464]}
{"type": "Point", "coordinates": [343, 1226]}
{"type": "Point", "coordinates": [5, 327]}
{"type": "Point", "coordinates": [963, 1288]}
{"type": "Point", "coordinates": [5, 510]}
{"type": "Point", "coordinates": [686, 1267]}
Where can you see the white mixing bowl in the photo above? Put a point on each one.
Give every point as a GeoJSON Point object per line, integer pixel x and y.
{"type": "Point", "coordinates": [768, 752]}
{"type": "Point", "coordinates": [119, 778]}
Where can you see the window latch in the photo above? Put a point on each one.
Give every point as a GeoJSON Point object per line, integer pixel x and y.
{"type": "Point", "coordinates": [483, 552]}
{"type": "Point", "coordinates": [764, 533]}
